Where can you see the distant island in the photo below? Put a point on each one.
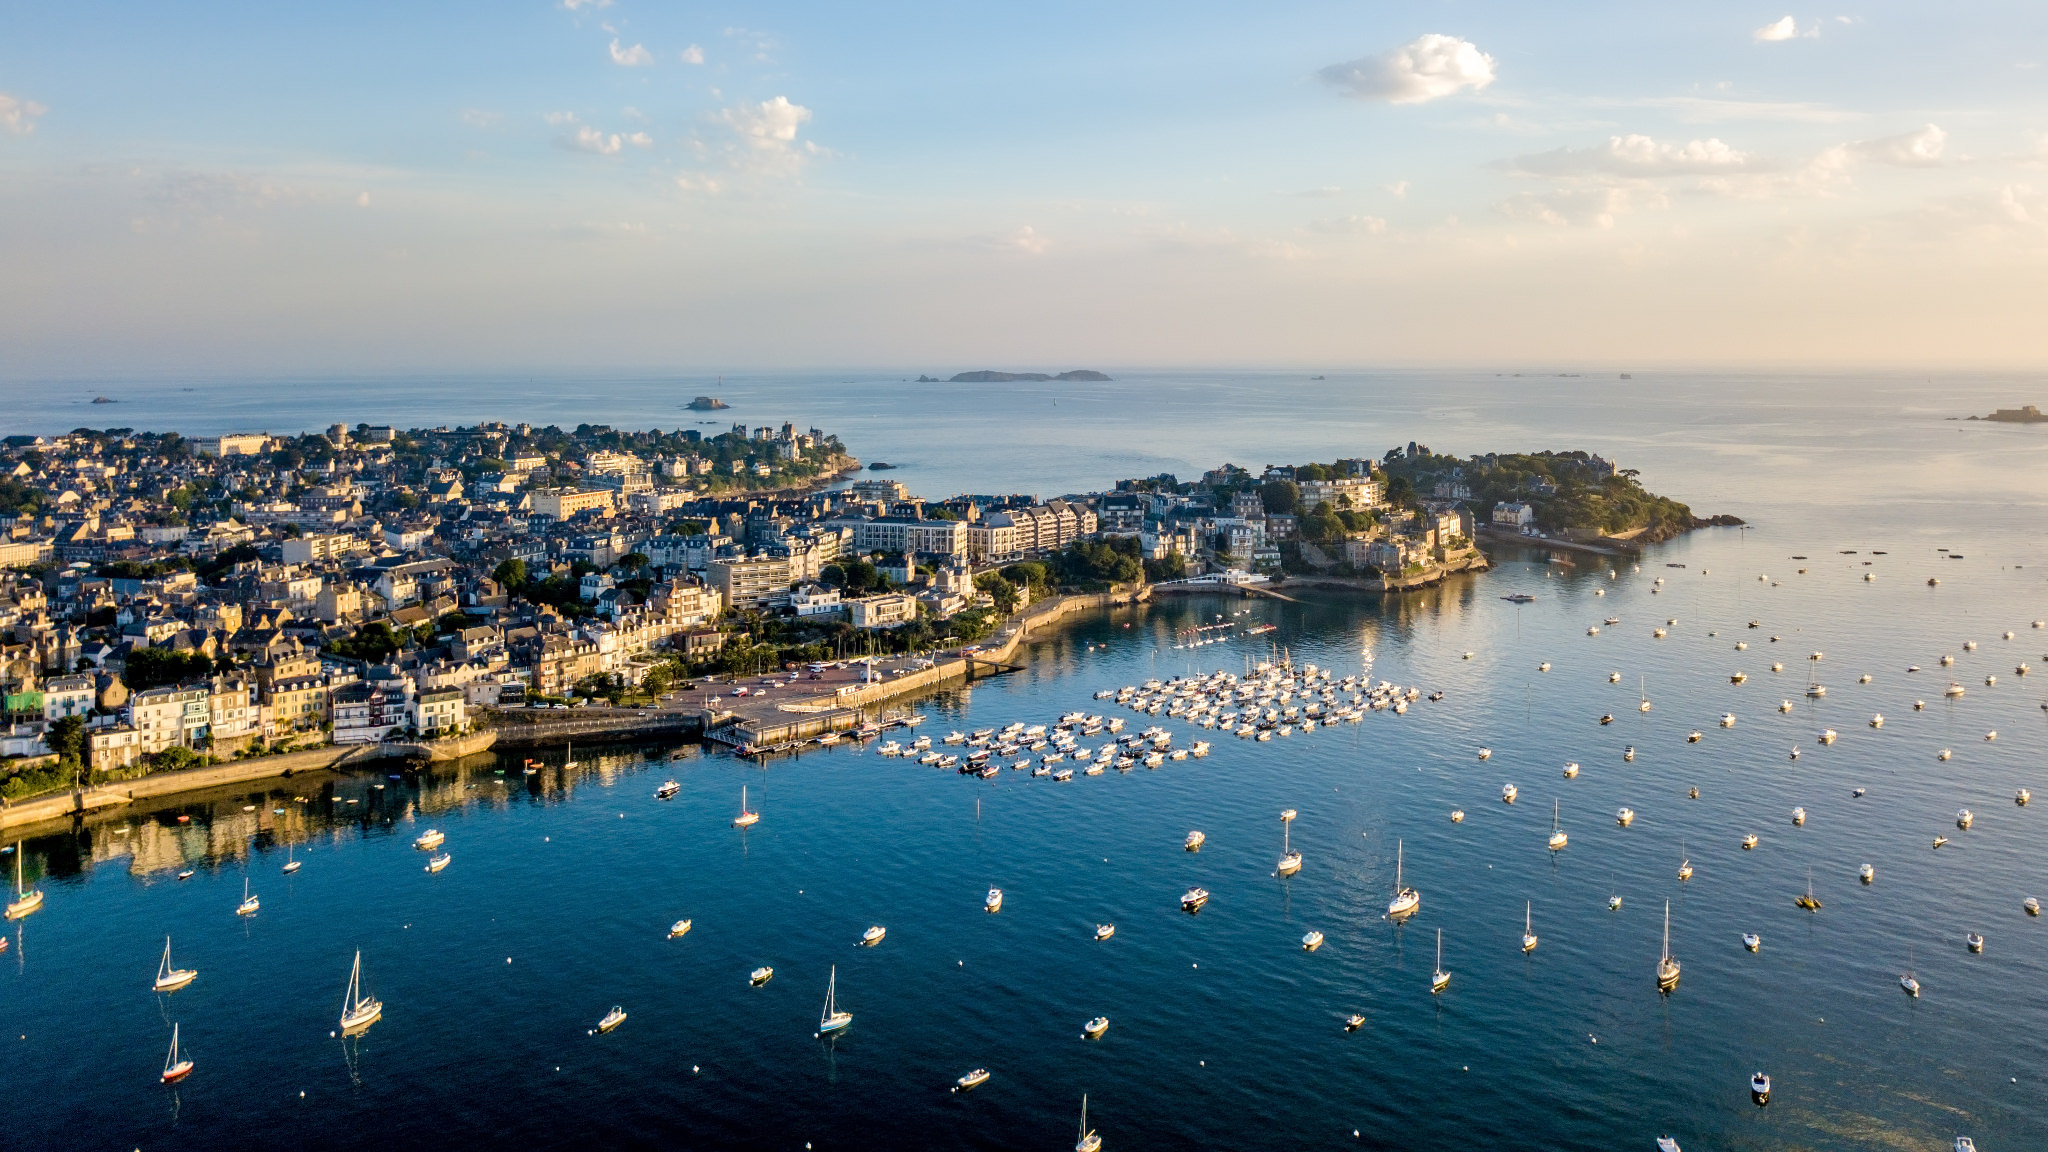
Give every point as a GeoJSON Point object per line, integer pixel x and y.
{"type": "Point", "coordinates": [988, 376]}
{"type": "Point", "coordinates": [104, 400]}
{"type": "Point", "coordinates": [881, 466]}
{"type": "Point", "coordinates": [708, 404]}
{"type": "Point", "coordinates": [2023, 415]}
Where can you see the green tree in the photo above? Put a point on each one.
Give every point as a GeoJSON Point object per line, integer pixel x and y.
{"type": "Point", "coordinates": [634, 561]}
{"type": "Point", "coordinates": [155, 667]}
{"type": "Point", "coordinates": [1004, 592]}
{"type": "Point", "coordinates": [1279, 497]}
{"type": "Point", "coordinates": [511, 573]}
{"type": "Point", "coordinates": [66, 737]}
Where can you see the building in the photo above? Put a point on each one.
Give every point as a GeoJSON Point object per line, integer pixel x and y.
{"type": "Point", "coordinates": [563, 503]}
{"type": "Point", "coordinates": [366, 713]}
{"type": "Point", "coordinates": [812, 600]}
{"type": "Point", "coordinates": [239, 444]}
{"type": "Point", "coordinates": [67, 696]}
{"type": "Point", "coordinates": [884, 611]}
{"type": "Point", "coordinates": [895, 534]}
{"type": "Point", "coordinates": [169, 717]}
{"type": "Point", "coordinates": [1513, 514]}
{"type": "Point", "coordinates": [319, 548]}
{"type": "Point", "coordinates": [295, 704]}
{"type": "Point", "coordinates": [1357, 493]}
{"type": "Point", "coordinates": [750, 581]}
{"type": "Point", "coordinates": [439, 711]}
{"type": "Point", "coordinates": [109, 749]}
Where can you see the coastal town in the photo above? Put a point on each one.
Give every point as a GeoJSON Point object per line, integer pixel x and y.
{"type": "Point", "coordinates": [168, 603]}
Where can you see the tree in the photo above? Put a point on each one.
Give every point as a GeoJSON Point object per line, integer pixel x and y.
{"type": "Point", "coordinates": [510, 574]}
{"type": "Point", "coordinates": [155, 667]}
{"type": "Point", "coordinates": [66, 737]}
{"type": "Point", "coordinates": [1002, 591]}
{"type": "Point", "coordinates": [1173, 567]}
{"type": "Point", "coordinates": [634, 561]}
{"type": "Point", "coordinates": [1279, 497]}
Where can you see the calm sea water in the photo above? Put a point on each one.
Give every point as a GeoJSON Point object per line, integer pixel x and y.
{"type": "Point", "coordinates": [1224, 1033]}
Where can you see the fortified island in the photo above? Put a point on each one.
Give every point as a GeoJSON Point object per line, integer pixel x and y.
{"type": "Point", "coordinates": [2026, 414]}
{"type": "Point", "coordinates": [194, 612]}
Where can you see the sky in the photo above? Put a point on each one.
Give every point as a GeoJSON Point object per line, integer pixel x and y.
{"type": "Point", "coordinates": [561, 184]}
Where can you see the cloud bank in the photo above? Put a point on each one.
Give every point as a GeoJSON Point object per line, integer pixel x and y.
{"type": "Point", "coordinates": [18, 117]}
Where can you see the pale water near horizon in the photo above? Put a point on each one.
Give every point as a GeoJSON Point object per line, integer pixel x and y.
{"type": "Point", "coordinates": [1224, 1033]}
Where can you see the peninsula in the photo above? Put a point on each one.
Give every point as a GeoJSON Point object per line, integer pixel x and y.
{"type": "Point", "coordinates": [432, 591]}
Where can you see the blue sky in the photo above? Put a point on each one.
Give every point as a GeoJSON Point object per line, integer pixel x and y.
{"type": "Point", "coordinates": [244, 187]}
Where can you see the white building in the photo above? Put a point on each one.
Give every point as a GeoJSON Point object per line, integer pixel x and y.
{"type": "Point", "coordinates": [1513, 514]}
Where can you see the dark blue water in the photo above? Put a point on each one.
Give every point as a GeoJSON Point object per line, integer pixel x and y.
{"type": "Point", "coordinates": [1224, 1033]}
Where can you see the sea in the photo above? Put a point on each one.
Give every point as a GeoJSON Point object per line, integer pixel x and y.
{"type": "Point", "coordinates": [1883, 534]}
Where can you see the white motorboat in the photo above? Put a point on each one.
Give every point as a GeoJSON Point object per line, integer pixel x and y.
{"type": "Point", "coordinates": [831, 1019]}
{"type": "Point", "coordinates": [1557, 836]}
{"type": "Point", "coordinates": [2021, 797]}
{"type": "Point", "coordinates": [1486, 753]}
{"type": "Point", "coordinates": [1193, 899]}
{"type": "Point", "coordinates": [1866, 873]}
{"type": "Point", "coordinates": [993, 902]}
{"type": "Point", "coordinates": [1571, 769]}
{"type": "Point", "coordinates": [1614, 902]}
{"type": "Point", "coordinates": [250, 902]}
{"type": "Point", "coordinates": [1974, 941]}
{"type": "Point", "coordinates": [1798, 817]}
{"type": "Point", "coordinates": [760, 976]}
{"type": "Point", "coordinates": [1964, 818]}
{"type": "Point", "coordinates": [2032, 906]}
{"type": "Point", "coordinates": [437, 862]}
{"type": "Point", "coordinates": [1439, 979]}
{"type": "Point", "coordinates": [1668, 967]}
{"type": "Point", "coordinates": [1684, 863]}
{"type": "Point", "coordinates": [1094, 1029]}
{"type": "Point", "coordinates": [169, 979]}
{"type": "Point", "coordinates": [1194, 841]}
{"type": "Point", "coordinates": [1693, 737]}
{"type": "Point", "coordinates": [746, 818]}
{"type": "Point", "coordinates": [1752, 941]}
{"type": "Point", "coordinates": [612, 1019]}
{"type": "Point", "coordinates": [668, 790]}
{"type": "Point", "coordinates": [1727, 719]}
{"type": "Point", "coordinates": [973, 1079]}
{"type": "Point", "coordinates": [1940, 840]}
{"type": "Point", "coordinates": [1667, 1144]}
{"type": "Point", "coordinates": [679, 928]}
{"type": "Point", "coordinates": [1311, 941]}
{"type": "Point", "coordinates": [1104, 931]}
{"type": "Point", "coordinates": [1760, 1088]}
{"type": "Point", "coordinates": [1528, 930]}
{"type": "Point", "coordinates": [1406, 900]}
{"type": "Point", "coordinates": [873, 936]}
{"type": "Point", "coordinates": [1508, 792]}
{"type": "Point", "coordinates": [429, 840]}
{"type": "Point", "coordinates": [359, 1009]}
{"type": "Point", "coordinates": [1625, 816]}
{"type": "Point", "coordinates": [1354, 1022]}
{"type": "Point", "coordinates": [177, 1066]}
{"type": "Point", "coordinates": [1457, 815]}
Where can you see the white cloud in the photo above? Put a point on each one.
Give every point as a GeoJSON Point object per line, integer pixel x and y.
{"type": "Point", "coordinates": [640, 140]}
{"type": "Point", "coordinates": [1352, 225]}
{"type": "Point", "coordinates": [1399, 188]}
{"type": "Point", "coordinates": [1423, 69]}
{"type": "Point", "coordinates": [362, 199]}
{"type": "Point", "coordinates": [1637, 155]}
{"type": "Point", "coordinates": [635, 57]}
{"type": "Point", "coordinates": [693, 55]}
{"type": "Point", "coordinates": [18, 117]}
{"type": "Point", "coordinates": [1775, 31]}
{"type": "Point", "coordinates": [573, 5]}
{"type": "Point", "coordinates": [767, 133]}
{"type": "Point", "coordinates": [1920, 148]}
{"type": "Point", "coordinates": [559, 118]}
{"type": "Point", "coordinates": [588, 139]}
{"type": "Point", "coordinates": [698, 182]}
{"type": "Point", "coordinates": [1028, 241]}
{"type": "Point", "coordinates": [1594, 206]}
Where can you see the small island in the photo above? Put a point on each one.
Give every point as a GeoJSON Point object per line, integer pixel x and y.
{"type": "Point", "coordinates": [989, 376]}
{"type": "Point", "coordinates": [707, 404]}
{"type": "Point", "coordinates": [2026, 414]}
{"type": "Point", "coordinates": [881, 466]}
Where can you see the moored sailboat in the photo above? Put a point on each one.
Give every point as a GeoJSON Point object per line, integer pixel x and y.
{"type": "Point", "coordinates": [359, 1010]}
